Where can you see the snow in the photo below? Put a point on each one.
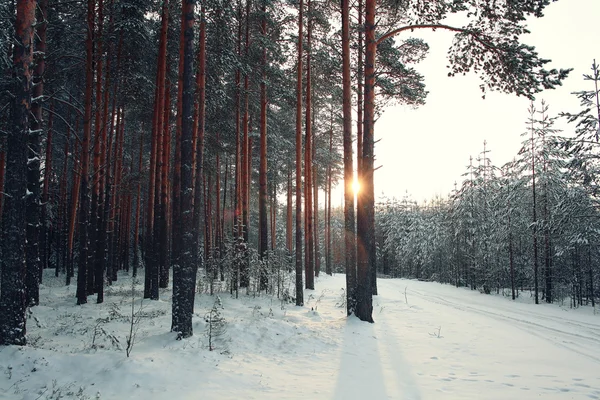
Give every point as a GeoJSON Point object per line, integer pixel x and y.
{"type": "Point", "coordinates": [435, 342]}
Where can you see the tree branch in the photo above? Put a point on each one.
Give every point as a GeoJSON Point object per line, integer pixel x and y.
{"type": "Point", "coordinates": [473, 34]}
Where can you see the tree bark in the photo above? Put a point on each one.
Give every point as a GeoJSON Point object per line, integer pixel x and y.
{"type": "Point", "coordinates": [246, 154]}
{"type": "Point", "coordinates": [366, 197]}
{"type": "Point", "coordinates": [84, 201]}
{"type": "Point", "coordinates": [38, 92]}
{"type": "Point", "coordinates": [299, 286]}
{"type": "Point", "coordinates": [12, 295]}
{"type": "Point", "coordinates": [263, 226]}
{"type": "Point", "coordinates": [138, 207]}
{"type": "Point", "coordinates": [162, 278]}
{"type": "Point", "coordinates": [199, 126]}
{"type": "Point", "coordinates": [32, 200]}
{"type": "Point", "coordinates": [74, 206]}
{"type": "Point", "coordinates": [184, 271]}
{"type": "Point", "coordinates": [349, 221]}
{"type": "Point", "coordinates": [45, 222]}
{"type": "Point", "coordinates": [309, 262]}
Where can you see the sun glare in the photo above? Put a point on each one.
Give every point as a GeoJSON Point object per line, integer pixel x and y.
{"type": "Point", "coordinates": [356, 186]}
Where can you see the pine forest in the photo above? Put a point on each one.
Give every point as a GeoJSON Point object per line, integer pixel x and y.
{"type": "Point", "coordinates": [196, 180]}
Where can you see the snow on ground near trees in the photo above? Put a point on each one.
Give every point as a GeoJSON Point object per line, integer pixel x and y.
{"type": "Point", "coordinates": [444, 343]}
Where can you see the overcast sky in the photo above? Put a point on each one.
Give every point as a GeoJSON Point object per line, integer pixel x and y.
{"type": "Point", "coordinates": [425, 150]}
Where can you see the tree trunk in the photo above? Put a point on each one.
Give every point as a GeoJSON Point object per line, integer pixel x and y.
{"type": "Point", "coordinates": [366, 197]}
{"type": "Point", "coordinates": [349, 224]}
{"type": "Point", "coordinates": [2, 172]}
{"type": "Point", "coordinates": [45, 223]}
{"type": "Point", "coordinates": [38, 92]}
{"type": "Point", "coordinates": [150, 253]}
{"type": "Point", "coordinates": [84, 202]}
{"type": "Point", "coordinates": [32, 199]}
{"type": "Point", "coordinates": [534, 223]}
{"type": "Point", "coordinates": [316, 211]}
{"type": "Point", "coordinates": [63, 230]}
{"type": "Point", "coordinates": [263, 226]}
{"type": "Point", "coordinates": [359, 92]}
{"type": "Point", "coordinates": [138, 208]}
{"type": "Point", "coordinates": [199, 125]}
{"type": "Point", "coordinates": [74, 206]}
{"type": "Point", "coordinates": [162, 278]}
{"type": "Point", "coordinates": [309, 263]}
{"type": "Point", "coordinates": [12, 295]}
{"type": "Point", "coordinates": [184, 271]}
{"type": "Point", "coordinates": [246, 153]}
{"type": "Point", "coordinates": [328, 269]}
{"type": "Point", "coordinates": [299, 286]}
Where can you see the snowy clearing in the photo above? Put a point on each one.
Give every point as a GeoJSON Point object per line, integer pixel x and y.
{"type": "Point", "coordinates": [444, 343]}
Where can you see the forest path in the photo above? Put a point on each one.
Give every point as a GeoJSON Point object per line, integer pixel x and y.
{"type": "Point", "coordinates": [482, 346]}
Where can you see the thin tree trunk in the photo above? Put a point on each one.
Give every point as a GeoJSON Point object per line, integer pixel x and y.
{"type": "Point", "coordinates": [162, 278]}
{"type": "Point", "coordinates": [316, 210]}
{"type": "Point", "coordinates": [45, 223]}
{"type": "Point", "coordinates": [288, 214]}
{"type": "Point", "coordinates": [262, 189]}
{"type": "Point", "coordinates": [534, 224]}
{"type": "Point", "coordinates": [349, 222]}
{"type": "Point", "coordinates": [63, 208]}
{"type": "Point", "coordinates": [359, 92]}
{"type": "Point", "coordinates": [328, 269]}
{"type": "Point", "coordinates": [38, 92]}
{"type": "Point", "coordinates": [309, 262]}
{"type": "Point", "coordinates": [299, 286]}
{"type": "Point", "coordinates": [199, 124]}
{"type": "Point", "coordinates": [138, 208]}
{"type": "Point", "coordinates": [2, 171]}
{"type": "Point", "coordinates": [74, 205]}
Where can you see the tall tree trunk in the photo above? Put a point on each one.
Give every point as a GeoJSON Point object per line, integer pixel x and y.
{"type": "Point", "coordinates": [84, 202]}
{"type": "Point", "coordinates": [534, 223]}
{"type": "Point", "coordinates": [238, 143]}
{"type": "Point", "coordinates": [349, 224]}
{"type": "Point", "coordinates": [288, 214]}
{"type": "Point", "coordinates": [61, 261]}
{"type": "Point", "coordinates": [366, 197]}
{"type": "Point", "coordinates": [162, 278]}
{"type": "Point", "coordinates": [246, 153]}
{"type": "Point", "coordinates": [2, 171]}
{"type": "Point", "coordinates": [359, 92]}
{"type": "Point", "coordinates": [150, 253]}
{"type": "Point", "coordinates": [510, 249]}
{"type": "Point", "coordinates": [95, 263]}
{"type": "Point", "coordinates": [45, 223]}
{"type": "Point", "coordinates": [217, 249]}
{"type": "Point", "coordinates": [38, 92]}
{"type": "Point", "coordinates": [263, 226]}
{"type": "Point", "coordinates": [299, 286]}
{"type": "Point", "coordinates": [328, 269]}
{"type": "Point", "coordinates": [309, 262]}
{"type": "Point", "coordinates": [199, 125]}
{"type": "Point", "coordinates": [74, 205]}
{"type": "Point", "coordinates": [316, 210]}
{"type": "Point", "coordinates": [12, 294]}
{"type": "Point", "coordinates": [32, 199]}
{"type": "Point", "coordinates": [138, 204]}
{"type": "Point", "coordinates": [178, 126]}
{"type": "Point", "coordinates": [184, 271]}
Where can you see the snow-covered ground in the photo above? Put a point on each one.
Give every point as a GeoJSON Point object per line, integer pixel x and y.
{"type": "Point", "coordinates": [434, 342]}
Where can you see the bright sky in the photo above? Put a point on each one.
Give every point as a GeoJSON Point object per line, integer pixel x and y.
{"type": "Point", "coordinates": [424, 151]}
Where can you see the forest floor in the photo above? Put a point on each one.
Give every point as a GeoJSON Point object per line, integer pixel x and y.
{"type": "Point", "coordinates": [429, 341]}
